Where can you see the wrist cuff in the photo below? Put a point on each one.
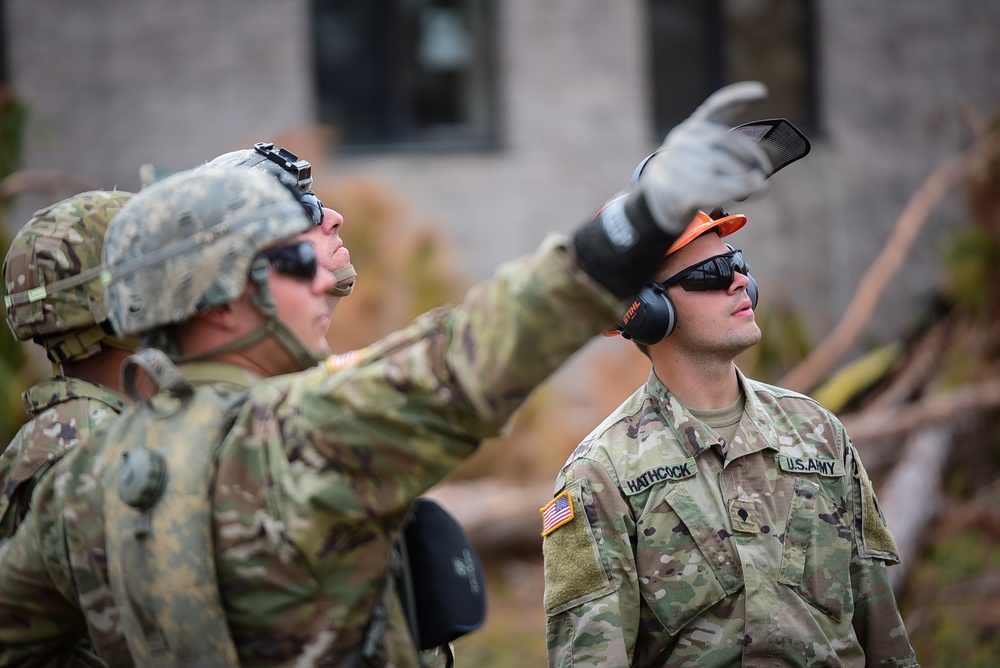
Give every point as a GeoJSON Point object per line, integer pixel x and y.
{"type": "Point", "coordinates": [622, 246]}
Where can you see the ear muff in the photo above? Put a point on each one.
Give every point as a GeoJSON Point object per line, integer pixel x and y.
{"type": "Point", "coordinates": [650, 317]}
{"type": "Point", "coordinates": [752, 291]}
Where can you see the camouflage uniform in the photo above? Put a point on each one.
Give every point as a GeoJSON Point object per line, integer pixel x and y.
{"type": "Point", "coordinates": [64, 412]}
{"type": "Point", "coordinates": [316, 473]}
{"type": "Point", "coordinates": [683, 551]}
{"type": "Point", "coordinates": [54, 297]}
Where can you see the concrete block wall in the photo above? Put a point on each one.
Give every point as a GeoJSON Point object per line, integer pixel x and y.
{"type": "Point", "coordinates": [113, 84]}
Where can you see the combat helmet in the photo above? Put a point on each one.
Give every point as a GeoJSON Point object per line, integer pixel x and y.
{"type": "Point", "coordinates": [52, 281]}
{"type": "Point", "coordinates": [294, 173]}
{"type": "Point", "coordinates": [280, 163]}
{"type": "Point", "coordinates": [193, 241]}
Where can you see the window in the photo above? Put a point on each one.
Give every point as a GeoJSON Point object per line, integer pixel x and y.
{"type": "Point", "coordinates": [698, 46]}
{"type": "Point", "coordinates": [405, 73]}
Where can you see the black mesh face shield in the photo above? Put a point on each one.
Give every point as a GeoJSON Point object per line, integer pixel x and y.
{"type": "Point", "coordinates": [782, 141]}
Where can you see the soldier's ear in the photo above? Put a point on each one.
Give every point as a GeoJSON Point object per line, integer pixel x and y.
{"type": "Point", "coordinates": [227, 317]}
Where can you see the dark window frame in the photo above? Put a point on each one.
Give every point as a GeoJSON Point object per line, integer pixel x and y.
{"type": "Point", "coordinates": [382, 109]}
{"type": "Point", "coordinates": [710, 35]}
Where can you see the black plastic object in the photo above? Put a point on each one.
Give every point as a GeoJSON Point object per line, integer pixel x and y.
{"type": "Point", "coordinates": [449, 586]}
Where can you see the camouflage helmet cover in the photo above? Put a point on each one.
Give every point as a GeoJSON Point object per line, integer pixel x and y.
{"type": "Point", "coordinates": [185, 244]}
{"type": "Point", "coordinates": [280, 163]}
{"type": "Point", "coordinates": [53, 266]}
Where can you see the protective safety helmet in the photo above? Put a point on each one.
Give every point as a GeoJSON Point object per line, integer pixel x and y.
{"type": "Point", "coordinates": [724, 224]}
{"type": "Point", "coordinates": [186, 244]}
{"type": "Point", "coordinates": [52, 277]}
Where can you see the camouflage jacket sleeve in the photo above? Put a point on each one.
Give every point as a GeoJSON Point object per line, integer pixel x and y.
{"type": "Point", "coordinates": [877, 622]}
{"type": "Point", "coordinates": [349, 446]}
{"type": "Point", "coordinates": [592, 599]}
{"type": "Point", "coordinates": [64, 412]}
{"type": "Point", "coordinates": [421, 400]}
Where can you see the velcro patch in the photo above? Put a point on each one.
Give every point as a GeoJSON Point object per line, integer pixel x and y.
{"type": "Point", "coordinates": [574, 568]}
{"type": "Point", "coordinates": [557, 512]}
{"type": "Point", "coordinates": [824, 467]}
{"type": "Point", "coordinates": [667, 472]}
{"type": "Point", "coordinates": [876, 539]}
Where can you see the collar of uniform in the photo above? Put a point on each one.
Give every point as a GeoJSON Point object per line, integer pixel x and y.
{"type": "Point", "coordinates": [61, 389]}
{"type": "Point", "coordinates": [691, 432]}
{"type": "Point", "coordinates": [756, 431]}
{"type": "Point", "coordinates": [757, 428]}
{"type": "Point", "coordinates": [209, 373]}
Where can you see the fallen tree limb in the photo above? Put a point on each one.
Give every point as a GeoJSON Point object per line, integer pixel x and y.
{"type": "Point", "coordinates": [897, 421]}
{"type": "Point", "coordinates": [911, 496]}
{"type": "Point", "coordinates": [807, 374]}
{"type": "Point", "coordinates": [497, 516]}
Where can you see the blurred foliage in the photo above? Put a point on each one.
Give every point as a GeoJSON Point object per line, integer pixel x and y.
{"type": "Point", "coordinates": [952, 611]}
{"type": "Point", "coordinates": [12, 357]}
{"type": "Point", "coordinates": [972, 264]}
{"type": "Point", "coordinates": [843, 387]}
{"type": "Point", "coordinates": [950, 606]}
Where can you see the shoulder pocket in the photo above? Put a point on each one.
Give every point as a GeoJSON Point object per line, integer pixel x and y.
{"type": "Point", "coordinates": [575, 564]}
{"type": "Point", "coordinates": [875, 541]}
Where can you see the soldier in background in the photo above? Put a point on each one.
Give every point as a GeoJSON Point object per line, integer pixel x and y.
{"type": "Point", "coordinates": [54, 296]}
{"type": "Point", "coordinates": [713, 520]}
{"type": "Point", "coordinates": [299, 481]}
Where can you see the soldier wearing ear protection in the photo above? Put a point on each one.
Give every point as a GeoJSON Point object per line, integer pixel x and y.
{"type": "Point", "coordinates": [711, 519]}
{"type": "Point", "coordinates": [303, 480]}
{"type": "Point", "coordinates": [652, 316]}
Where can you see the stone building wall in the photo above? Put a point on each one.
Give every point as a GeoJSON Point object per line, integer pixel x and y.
{"type": "Point", "coordinates": [114, 84]}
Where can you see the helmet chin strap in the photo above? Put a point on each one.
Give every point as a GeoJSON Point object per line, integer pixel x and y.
{"type": "Point", "coordinates": [263, 301]}
{"type": "Point", "coordinates": [342, 288]}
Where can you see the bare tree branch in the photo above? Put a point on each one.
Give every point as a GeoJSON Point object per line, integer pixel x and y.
{"type": "Point", "coordinates": [873, 284]}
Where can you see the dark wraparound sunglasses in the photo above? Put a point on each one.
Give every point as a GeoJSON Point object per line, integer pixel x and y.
{"type": "Point", "coordinates": [313, 207]}
{"type": "Point", "coordinates": [715, 273]}
{"type": "Point", "coordinates": [297, 260]}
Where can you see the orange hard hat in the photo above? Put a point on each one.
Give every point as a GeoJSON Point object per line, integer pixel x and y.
{"type": "Point", "coordinates": [703, 223]}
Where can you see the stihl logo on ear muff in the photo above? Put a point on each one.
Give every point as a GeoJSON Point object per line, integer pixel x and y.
{"type": "Point", "coordinates": [631, 311]}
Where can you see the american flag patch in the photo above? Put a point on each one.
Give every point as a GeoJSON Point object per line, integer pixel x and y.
{"type": "Point", "coordinates": [556, 513]}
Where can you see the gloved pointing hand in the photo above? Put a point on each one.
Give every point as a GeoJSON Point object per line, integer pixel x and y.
{"type": "Point", "coordinates": [701, 164]}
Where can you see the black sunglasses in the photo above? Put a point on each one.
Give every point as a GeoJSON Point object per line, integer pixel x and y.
{"type": "Point", "coordinates": [313, 207]}
{"type": "Point", "coordinates": [715, 273]}
{"type": "Point", "coordinates": [297, 260]}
